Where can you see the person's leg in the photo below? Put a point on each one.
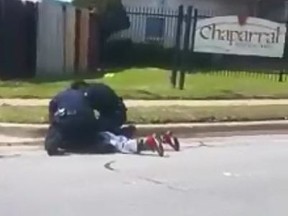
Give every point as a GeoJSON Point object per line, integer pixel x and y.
{"type": "Point", "coordinates": [125, 145]}
{"type": "Point", "coordinates": [120, 143]}
{"type": "Point", "coordinates": [101, 145]}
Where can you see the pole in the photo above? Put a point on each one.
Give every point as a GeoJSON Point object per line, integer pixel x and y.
{"type": "Point", "coordinates": [177, 47]}
{"type": "Point", "coordinates": [184, 56]}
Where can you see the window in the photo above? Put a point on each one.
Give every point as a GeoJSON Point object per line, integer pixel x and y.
{"type": "Point", "coordinates": [154, 29]}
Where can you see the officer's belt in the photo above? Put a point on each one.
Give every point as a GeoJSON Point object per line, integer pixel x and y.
{"type": "Point", "coordinates": [65, 112]}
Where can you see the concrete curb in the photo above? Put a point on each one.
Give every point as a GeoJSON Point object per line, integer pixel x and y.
{"type": "Point", "coordinates": [38, 131]}
{"type": "Point", "coordinates": [33, 135]}
{"type": "Point", "coordinates": [157, 103]}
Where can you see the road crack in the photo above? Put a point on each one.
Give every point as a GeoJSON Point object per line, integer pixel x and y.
{"type": "Point", "coordinates": [109, 166]}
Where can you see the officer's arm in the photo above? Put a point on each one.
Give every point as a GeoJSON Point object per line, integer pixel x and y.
{"type": "Point", "coordinates": [122, 111]}
{"type": "Point", "coordinates": [92, 99]}
{"type": "Point", "coordinates": [52, 109]}
{"type": "Point", "coordinates": [122, 104]}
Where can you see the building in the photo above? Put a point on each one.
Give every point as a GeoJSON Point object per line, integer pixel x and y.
{"type": "Point", "coordinates": [220, 6]}
{"type": "Point", "coordinates": [272, 9]}
{"type": "Point", "coordinates": [147, 28]}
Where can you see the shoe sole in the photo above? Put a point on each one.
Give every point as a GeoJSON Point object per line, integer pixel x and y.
{"type": "Point", "coordinates": [159, 146]}
{"type": "Point", "coordinates": [174, 142]}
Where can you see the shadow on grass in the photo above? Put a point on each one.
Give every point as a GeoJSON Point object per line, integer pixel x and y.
{"type": "Point", "coordinates": [73, 77]}
{"type": "Point", "coordinates": [233, 94]}
{"type": "Point", "coordinates": [99, 74]}
{"type": "Point", "coordinates": [150, 94]}
{"type": "Point", "coordinates": [63, 78]}
{"type": "Point", "coordinates": [95, 75]}
{"type": "Point", "coordinates": [52, 79]}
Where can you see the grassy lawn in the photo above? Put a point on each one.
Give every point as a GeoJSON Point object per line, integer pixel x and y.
{"type": "Point", "coordinates": [175, 114]}
{"type": "Point", "coordinates": [154, 84]}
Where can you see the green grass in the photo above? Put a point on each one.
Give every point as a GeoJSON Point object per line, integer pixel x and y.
{"type": "Point", "coordinates": [152, 83]}
{"type": "Point", "coordinates": [174, 114]}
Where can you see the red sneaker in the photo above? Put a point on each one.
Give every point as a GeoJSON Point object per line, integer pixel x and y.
{"type": "Point", "coordinates": [152, 143]}
{"type": "Point", "coordinates": [169, 139]}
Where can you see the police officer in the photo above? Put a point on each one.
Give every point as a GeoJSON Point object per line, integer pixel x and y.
{"type": "Point", "coordinates": [72, 122]}
{"type": "Point", "coordinates": [111, 108]}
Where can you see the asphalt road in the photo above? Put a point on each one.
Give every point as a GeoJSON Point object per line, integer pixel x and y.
{"type": "Point", "coordinates": [231, 176]}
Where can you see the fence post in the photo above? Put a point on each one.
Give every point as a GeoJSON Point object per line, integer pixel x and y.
{"type": "Point", "coordinates": [184, 55]}
{"type": "Point", "coordinates": [195, 19]}
{"type": "Point", "coordinates": [64, 15]}
{"type": "Point", "coordinates": [77, 40]}
{"type": "Point", "coordinates": [177, 46]}
{"type": "Point", "coordinates": [281, 73]}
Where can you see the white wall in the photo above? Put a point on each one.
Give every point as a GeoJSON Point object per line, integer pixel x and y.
{"type": "Point", "coordinates": [55, 38]}
{"type": "Point", "coordinates": [50, 53]}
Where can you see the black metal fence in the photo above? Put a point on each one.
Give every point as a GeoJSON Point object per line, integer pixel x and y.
{"type": "Point", "coordinates": [167, 36]}
{"type": "Point", "coordinates": [150, 25]}
{"type": "Point", "coordinates": [149, 41]}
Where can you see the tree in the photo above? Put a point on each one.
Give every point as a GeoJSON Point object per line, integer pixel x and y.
{"type": "Point", "coordinates": [112, 15]}
{"type": "Point", "coordinates": [101, 5]}
{"type": "Point", "coordinates": [112, 18]}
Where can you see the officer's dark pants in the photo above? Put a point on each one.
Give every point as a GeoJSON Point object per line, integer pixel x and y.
{"type": "Point", "coordinates": [70, 133]}
{"type": "Point", "coordinates": [77, 135]}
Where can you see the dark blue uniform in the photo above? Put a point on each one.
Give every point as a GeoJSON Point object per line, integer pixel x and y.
{"type": "Point", "coordinates": [110, 106]}
{"type": "Point", "coordinates": [72, 122]}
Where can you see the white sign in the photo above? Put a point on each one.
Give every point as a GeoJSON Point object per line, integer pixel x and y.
{"type": "Point", "coordinates": [224, 35]}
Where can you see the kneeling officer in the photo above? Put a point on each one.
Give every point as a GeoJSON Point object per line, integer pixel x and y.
{"type": "Point", "coordinates": [73, 123]}
{"type": "Point", "coordinates": [103, 99]}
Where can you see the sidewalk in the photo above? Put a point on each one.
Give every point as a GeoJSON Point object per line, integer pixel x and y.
{"type": "Point", "coordinates": [153, 103]}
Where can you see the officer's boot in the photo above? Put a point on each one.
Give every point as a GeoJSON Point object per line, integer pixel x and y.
{"type": "Point", "coordinates": [53, 142]}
